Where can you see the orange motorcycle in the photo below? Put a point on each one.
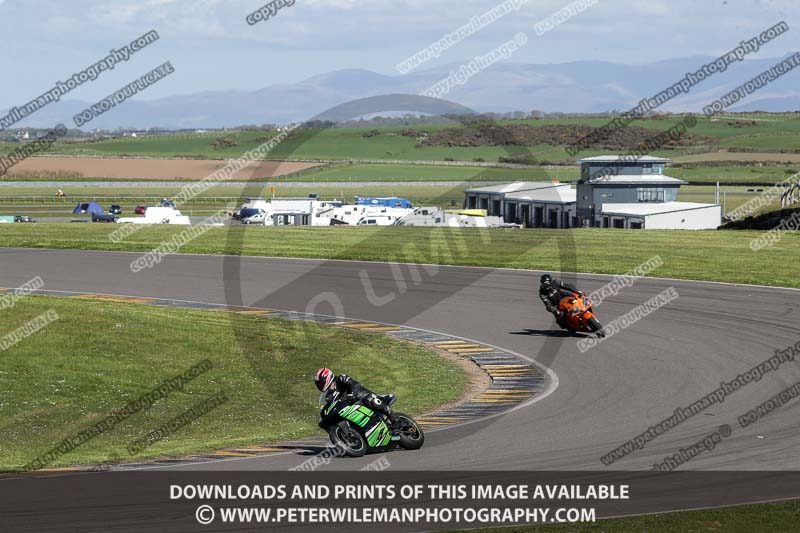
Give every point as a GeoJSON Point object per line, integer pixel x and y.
{"type": "Point", "coordinates": [579, 315]}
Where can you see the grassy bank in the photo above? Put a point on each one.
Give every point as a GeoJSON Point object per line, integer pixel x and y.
{"type": "Point", "coordinates": [703, 255]}
{"type": "Point", "coordinates": [780, 517]}
{"type": "Point", "coordinates": [767, 134]}
{"type": "Point", "coordinates": [98, 356]}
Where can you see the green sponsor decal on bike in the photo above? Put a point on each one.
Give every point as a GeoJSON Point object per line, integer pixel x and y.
{"type": "Point", "coordinates": [379, 435]}
{"type": "Point", "coordinates": [358, 414]}
{"type": "Point", "coordinates": [346, 411]}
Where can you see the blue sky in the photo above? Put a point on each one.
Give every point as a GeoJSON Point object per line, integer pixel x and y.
{"type": "Point", "coordinates": [213, 48]}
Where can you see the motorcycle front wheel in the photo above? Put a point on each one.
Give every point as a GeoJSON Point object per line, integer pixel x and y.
{"type": "Point", "coordinates": [351, 442]}
{"type": "Point", "coordinates": [596, 327]}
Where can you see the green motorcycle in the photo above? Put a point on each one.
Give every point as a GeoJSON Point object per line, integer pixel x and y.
{"type": "Point", "coordinates": [356, 429]}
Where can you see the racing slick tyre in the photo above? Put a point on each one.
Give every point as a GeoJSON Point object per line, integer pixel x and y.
{"type": "Point", "coordinates": [596, 327]}
{"type": "Point", "coordinates": [351, 442]}
{"type": "Point", "coordinates": [411, 435]}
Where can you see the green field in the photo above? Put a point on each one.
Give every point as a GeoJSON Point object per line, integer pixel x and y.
{"type": "Point", "coordinates": [423, 173]}
{"type": "Point", "coordinates": [98, 356]}
{"type": "Point", "coordinates": [180, 145]}
{"type": "Point", "coordinates": [703, 255]}
{"type": "Point", "coordinates": [330, 179]}
{"type": "Point", "coordinates": [32, 203]}
{"type": "Point", "coordinates": [779, 517]}
{"type": "Point", "coordinates": [775, 133]}
{"type": "Point", "coordinates": [730, 197]}
{"type": "Point", "coordinates": [402, 172]}
{"type": "Point", "coordinates": [764, 141]}
{"type": "Point", "coordinates": [734, 173]}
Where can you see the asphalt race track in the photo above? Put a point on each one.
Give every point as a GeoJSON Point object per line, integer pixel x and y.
{"type": "Point", "coordinates": [603, 397]}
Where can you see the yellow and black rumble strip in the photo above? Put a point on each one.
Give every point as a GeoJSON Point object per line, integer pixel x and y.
{"type": "Point", "coordinates": [514, 379]}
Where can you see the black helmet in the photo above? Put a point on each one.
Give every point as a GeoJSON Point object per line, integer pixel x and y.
{"type": "Point", "coordinates": [546, 280]}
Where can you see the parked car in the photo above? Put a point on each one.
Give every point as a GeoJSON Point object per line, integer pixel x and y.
{"type": "Point", "coordinates": [252, 216]}
{"type": "Point", "coordinates": [23, 218]}
{"type": "Point", "coordinates": [166, 203]}
{"type": "Point", "coordinates": [139, 209]}
{"type": "Point", "coordinates": [115, 209]}
{"type": "Point", "coordinates": [104, 218]}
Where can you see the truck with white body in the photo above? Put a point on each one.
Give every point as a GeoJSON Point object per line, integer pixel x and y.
{"type": "Point", "coordinates": [437, 216]}
{"type": "Point", "coordinates": [360, 215]}
{"type": "Point", "coordinates": [158, 215]}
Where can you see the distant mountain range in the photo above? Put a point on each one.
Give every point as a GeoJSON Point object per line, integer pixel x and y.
{"type": "Point", "coordinates": [583, 86]}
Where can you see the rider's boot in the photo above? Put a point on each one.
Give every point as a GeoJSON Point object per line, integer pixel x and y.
{"type": "Point", "coordinates": [394, 426]}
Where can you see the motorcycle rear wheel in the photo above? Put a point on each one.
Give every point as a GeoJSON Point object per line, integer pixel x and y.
{"type": "Point", "coordinates": [411, 435]}
{"type": "Point", "coordinates": [351, 442]}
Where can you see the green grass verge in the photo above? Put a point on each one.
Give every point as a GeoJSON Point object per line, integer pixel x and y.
{"type": "Point", "coordinates": [704, 255]}
{"type": "Point", "coordinates": [98, 356]}
{"type": "Point", "coordinates": [779, 517]}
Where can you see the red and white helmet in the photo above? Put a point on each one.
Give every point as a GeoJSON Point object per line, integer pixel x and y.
{"type": "Point", "coordinates": [324, 379]}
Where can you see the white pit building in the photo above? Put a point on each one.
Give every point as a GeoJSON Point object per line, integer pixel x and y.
{"type": "Point", "coordinates": [530, 203]}
{"type": "Point", "coordinates": [624, 192]}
